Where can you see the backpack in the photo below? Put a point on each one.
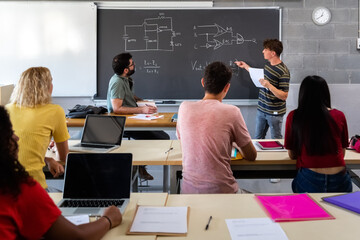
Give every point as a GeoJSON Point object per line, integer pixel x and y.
{"type": "Point", "coordinates": [80, 111]}
{"type": "Point", "coordinates": [355, 143]}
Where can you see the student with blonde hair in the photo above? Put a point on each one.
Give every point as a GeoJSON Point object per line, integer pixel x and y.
{"type": "Point", "coordinates": [36, 120]}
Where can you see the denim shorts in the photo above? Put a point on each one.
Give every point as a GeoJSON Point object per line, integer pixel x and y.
{"type": "Point", "coordinates": [313, 182]}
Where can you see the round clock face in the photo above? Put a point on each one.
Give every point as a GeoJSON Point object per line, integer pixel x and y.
{"type": "Point", "coordinates": [321, 15]}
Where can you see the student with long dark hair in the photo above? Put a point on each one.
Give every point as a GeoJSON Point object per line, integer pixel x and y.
{"type": "Point", "coordinates": [26, 210]}
{"type": "Point", "coordinates": [316, 136]}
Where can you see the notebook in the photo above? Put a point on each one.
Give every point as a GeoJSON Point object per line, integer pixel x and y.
{"type": "Point", "coordinates": [292, 207]}
{"type": "Point", "coordinates": [102, 133]}
{"type": "Point", "coordinates": [350, 201]}
{"type": "Point", "coordinates": [94, 181]}
{"type": "Point", "coordinates": [269, 145]}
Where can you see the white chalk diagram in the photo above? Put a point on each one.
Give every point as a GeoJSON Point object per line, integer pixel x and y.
{"type": "Point", "coordinates": [154, 34]}
{"type": "Point", "coordinates": [214, 36]}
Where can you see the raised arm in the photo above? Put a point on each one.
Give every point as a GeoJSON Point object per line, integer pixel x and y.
{"type": "Point", "coordinates": [242, 64]}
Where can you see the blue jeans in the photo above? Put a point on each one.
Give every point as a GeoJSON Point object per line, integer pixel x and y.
{"type": "Point", "coordinates": [313, 182]}
{"type": "Point", "coordinates": [264, 121]}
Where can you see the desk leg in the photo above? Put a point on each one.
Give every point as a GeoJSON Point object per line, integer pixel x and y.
{"type": "Point", "coordinates": [173, 178]}
{"type": "Point", "coordinates": [354, 178]}
{"type": "Point", "coordinates": [135, 177]}
{"type": "Point", "coordinates": [166, 178]}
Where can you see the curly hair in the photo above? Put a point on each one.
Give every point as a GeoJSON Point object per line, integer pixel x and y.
{"type": "Point", "coordinates": [12, 173]}
{"type": "Point", "coordinates": [33, 88]}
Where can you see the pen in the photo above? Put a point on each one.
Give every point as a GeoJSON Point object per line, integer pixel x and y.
{"type": "Point", "coordinates": [169, 150]}
{"type": "Point", "coordinates": [207, 225]}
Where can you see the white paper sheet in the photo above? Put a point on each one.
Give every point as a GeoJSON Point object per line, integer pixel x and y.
{"type": "Point", "coordinates": [255, 229]}
{"type": "Point", "coordinates": [256, 74]}
{"type": "Point", "coordinates": [146, 103]}
{"type": "Point", "coordinates": [147, 116]}
{"type": "Point", "coordinates": [160, 219]}
{"type": "Point", "coordinates": [78, 219]}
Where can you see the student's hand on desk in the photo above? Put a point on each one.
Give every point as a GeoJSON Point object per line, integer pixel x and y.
{"type": "Point", "coordinates": [113, 213]}
{"type": "Point", "coordinates": [55, 168]}
{"type": "Point", "coordinates": [148, 109]}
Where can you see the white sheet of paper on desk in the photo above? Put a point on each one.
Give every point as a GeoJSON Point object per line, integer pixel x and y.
{"type": "Point", "coordinates": [255, 229]}
{"type": "Point", "coordinates": [160, 219]}
{"type": "Point", "coordinates": [78, 219]}
{"type": "Point", "coordinates": [147, 116]}
{"type": "Point", "coordinates": [256, 74]}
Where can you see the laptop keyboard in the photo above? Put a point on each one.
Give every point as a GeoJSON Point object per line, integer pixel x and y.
{"type": "Point", "coordinates": [92, 203]}
{"type": "Point", "coordinates": [94, 146]}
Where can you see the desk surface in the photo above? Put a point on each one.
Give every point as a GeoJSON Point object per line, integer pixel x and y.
{"type": "Point", "coordinates": [145, 152]}
{"type": "Point", "coordinates": [225, 206]}
{"type": "Point", "coordinates": [152, 199]}
{"type": "Point", "coordinates": [263, 157]}
{"type": "Point", "coordinates": [132, 123]}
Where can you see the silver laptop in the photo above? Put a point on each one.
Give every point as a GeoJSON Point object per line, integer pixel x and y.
{"type": "Point", "coordinates": [101, 133]}
{"type": "Point", "coordinates": [94, 181]}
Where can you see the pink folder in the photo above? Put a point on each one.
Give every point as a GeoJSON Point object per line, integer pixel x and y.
{"type": "Point", "coordinates": [294, 207]}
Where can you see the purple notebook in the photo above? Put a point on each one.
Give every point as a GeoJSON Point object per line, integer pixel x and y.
{"type": "Point", "coordinates": [350, 201]}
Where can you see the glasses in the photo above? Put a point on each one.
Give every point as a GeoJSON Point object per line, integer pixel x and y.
{"type": "Point", "coordinates": [132, 64]}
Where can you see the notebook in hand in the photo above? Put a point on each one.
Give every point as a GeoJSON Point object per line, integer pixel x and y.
{"type": "Point", "coordinates": [94, 181]}
{"type": "Point", "coordinates": [102, 133]}
{"type": "Point", "coordinates": [350, 201]}
{"type": "Point", "coordinates": [268, 145]}
{"type": "Point", "coordinates": [292, 207]}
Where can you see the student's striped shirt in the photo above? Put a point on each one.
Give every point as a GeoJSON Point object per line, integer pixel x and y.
{"type": "Point", "coordinates": [279, 77]}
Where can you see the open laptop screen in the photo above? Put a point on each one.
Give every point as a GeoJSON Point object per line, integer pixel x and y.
{"type": "Point", "coordinates": [98, 175]}
{"type": "Point", "coordinates": [100, 129]}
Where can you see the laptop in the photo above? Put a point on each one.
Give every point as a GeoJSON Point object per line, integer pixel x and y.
{"type": "Point", "coordinates": [94, 181]}
{"type": "Point", "coordinates": [101, 133]}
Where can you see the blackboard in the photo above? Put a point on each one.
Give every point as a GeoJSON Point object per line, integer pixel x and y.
{"type": "Point", "coordinates": [171, 47]}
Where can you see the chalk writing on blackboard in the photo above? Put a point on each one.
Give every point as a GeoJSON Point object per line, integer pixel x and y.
{"type": "Point", "coordinates": [154, 34]}
{"type": "Point", "coordinates": [151, 67]}
{"type": "Point", "coordinates": [215, 36]}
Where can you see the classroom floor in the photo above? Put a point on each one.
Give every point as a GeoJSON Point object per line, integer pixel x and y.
{"type": "Point", "coordinates": [251, 185]}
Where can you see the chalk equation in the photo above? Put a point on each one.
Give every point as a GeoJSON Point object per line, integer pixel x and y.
{"type": "Point", "coordinates": [200, 66]}
{"type": "Point", "coordinates": [215, 36]}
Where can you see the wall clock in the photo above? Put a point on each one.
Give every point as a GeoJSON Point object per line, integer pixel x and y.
{"type": "Point", "coordinates": [321, 16]}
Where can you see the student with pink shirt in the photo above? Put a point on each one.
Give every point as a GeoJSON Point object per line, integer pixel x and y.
{"type": "Point", "coordinates": [207, 130]}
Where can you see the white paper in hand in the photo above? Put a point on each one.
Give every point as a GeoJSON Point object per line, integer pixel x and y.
{"type": "Point", "coordinates": [256, 74]}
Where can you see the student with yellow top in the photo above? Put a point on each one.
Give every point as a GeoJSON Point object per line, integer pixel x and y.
{"type": "Point", "coordinates": [35, 121]}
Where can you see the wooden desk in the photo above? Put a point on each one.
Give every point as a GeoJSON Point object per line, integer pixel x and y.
{"type": "Point", "coordinates": [268, 164]}
{"type": "Point", "coordinates": [225, 206]}
{"type": "Point", "coordinates": [152, 199]}
{"type": "Point", "coordinates": [145, 152]}
{"type": "Point", "coordinates": [133, 124]}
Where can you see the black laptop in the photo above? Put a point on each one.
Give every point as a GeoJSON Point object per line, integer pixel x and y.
{"type": "Point", "coordinates": [94, 181]}
{"type": "Point", "coordinates": [101, 133]}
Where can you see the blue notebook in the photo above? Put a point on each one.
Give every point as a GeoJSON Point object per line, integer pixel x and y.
{"type": "Point", "coordinates": [350, 201]}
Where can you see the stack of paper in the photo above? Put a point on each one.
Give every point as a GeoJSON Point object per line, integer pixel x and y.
{"type": "Point", "coordinates": [160, 221]}
{"type": "Point", "coordinates": [293, 207]}
{"type": "Point", "coordinates": [147, 116]}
